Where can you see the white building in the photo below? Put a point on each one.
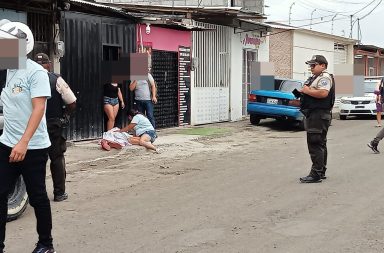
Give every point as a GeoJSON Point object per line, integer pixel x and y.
{"type": "Point", "coordinates": [290, 47]}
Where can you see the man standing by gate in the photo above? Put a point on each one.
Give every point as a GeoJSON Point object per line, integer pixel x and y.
{"type": "Point", "coordinates": [318, 97]}
{"type": "Point", "coordinates": [57, 120]}
{"type": "Point", "coordinates": [145, 96]}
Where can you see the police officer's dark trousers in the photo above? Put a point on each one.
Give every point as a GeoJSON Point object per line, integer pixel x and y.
{"type": "Point", "coordinates": [33, 170]}
{"type": "Point", "coordinates": [56, 155]}
{"type": "Point", "coordinates": [317, 124]}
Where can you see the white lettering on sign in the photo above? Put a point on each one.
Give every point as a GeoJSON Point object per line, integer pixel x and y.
{"type": "Point", "coordinates": [251, 40]}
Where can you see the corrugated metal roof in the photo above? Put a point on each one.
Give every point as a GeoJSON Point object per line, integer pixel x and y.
{"type": "Point", "coordinates": [100, 5]}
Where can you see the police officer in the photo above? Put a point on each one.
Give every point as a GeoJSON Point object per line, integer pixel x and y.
{"type": "Point", "coordinates": [318, 96]}
{"type": "Point", "coordinates": [57, 118]}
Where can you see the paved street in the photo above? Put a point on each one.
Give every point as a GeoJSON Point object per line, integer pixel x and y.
{"type": "Point", "coordinates": [234, 190]}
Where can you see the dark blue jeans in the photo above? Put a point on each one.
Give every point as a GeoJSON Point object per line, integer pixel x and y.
{"type": "Point", "coordinates": [32, 168]}
{"type": "Point", "coordinates": [146, 108]}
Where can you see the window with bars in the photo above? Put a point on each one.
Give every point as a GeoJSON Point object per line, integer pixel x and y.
{"type": "Point", "coordinates": [41, 27]}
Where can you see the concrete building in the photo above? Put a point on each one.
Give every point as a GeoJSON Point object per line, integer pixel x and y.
{"type": "Point", "coordinates": [290, 47]}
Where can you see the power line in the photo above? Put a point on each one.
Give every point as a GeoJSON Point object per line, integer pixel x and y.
{"type": "Point", "coordinates": [304, 19]}
{"type": "Point", "coordinates": [371, 10]}
{"type": "Point", "coordinates": [307, 25]}
{"type": "Point", "coordinates": [310, 7]}
{"type": "Point", "coordinates": [343, 2]}
{"type": "Point", "coordinates": [364, 7]}
{"type": "Point", "coordinates": [358, 19]}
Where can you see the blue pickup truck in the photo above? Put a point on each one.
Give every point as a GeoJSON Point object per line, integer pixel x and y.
{"type": "Point", "coordinates": [277, 104]}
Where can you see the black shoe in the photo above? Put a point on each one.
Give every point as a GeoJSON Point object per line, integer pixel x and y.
{"type": "Point", "coordinates": [373, 146]}
{"type": "Point", "coordinates": [40, 248]}
{"type": "Point", "coordinates": [323, 176]}
{"type": "Point", "coordinates": [61, 197]}
{"type": "Point", "coordinates": [310, 179]}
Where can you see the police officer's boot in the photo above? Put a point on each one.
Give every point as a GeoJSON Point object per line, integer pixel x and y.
{"type": "Point", "coordinates": [311, 178]}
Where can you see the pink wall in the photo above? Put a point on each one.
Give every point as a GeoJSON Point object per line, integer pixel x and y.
{"type": "Point", "coordinates": [164, 38]}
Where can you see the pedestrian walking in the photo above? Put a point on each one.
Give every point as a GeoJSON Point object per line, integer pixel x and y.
{"type": "Point", "coordinates": [380, 135]}
{"type": "Point", "coordinates": [24, 143]}
{"type": "Point", "coordinates": [57, 121]}
{"type": "Point", "coordinates": [379, 102]}
{"type": "Point", "coordinates": [318, 96]}
{"type": "Point", "coordinates": [145, 96]}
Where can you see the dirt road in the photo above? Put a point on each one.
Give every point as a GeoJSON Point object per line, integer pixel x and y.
{"type": "Point", "coordinates": [234, 188]}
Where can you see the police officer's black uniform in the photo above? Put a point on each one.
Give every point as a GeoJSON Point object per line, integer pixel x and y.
{"type": "Point", "coordinates": [318, 118]}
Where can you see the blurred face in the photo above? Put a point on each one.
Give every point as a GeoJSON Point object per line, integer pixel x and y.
{"type": "Point", "coordinates": [316, 68]}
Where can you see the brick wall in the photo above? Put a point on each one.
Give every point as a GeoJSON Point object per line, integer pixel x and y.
{"type": "Point", "coordinates": [280, 52]}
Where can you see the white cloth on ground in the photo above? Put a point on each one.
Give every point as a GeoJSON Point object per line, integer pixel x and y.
{"type": "Point", "coordinates": [117, 137]}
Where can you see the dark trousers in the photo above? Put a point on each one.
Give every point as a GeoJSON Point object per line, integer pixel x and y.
{"type": "Point", "coordinates": [56, 155]}
{"type": "Point", "coordinates": [317, 124]}
{"type": "Point", "coordinates": [32, 168]}
{"type": "Point", "coordinates": [146, 107]}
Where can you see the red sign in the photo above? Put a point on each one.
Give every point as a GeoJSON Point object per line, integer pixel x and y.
{"type": "Point", "coordinates": [251, 40]}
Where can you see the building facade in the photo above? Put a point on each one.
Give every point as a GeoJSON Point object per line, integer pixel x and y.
{"type": "Point", "coordinates": [370, 58]}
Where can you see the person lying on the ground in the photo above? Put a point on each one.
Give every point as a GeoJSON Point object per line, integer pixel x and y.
{"type": "Point", "coordinates": [145, 134]}
{"type": "Point", "coordinates": [115, 139]}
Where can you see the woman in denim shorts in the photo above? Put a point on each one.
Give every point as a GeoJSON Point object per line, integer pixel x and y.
{"type": "Point", "coordinates": [112, 95]}
{"type": "Point", "coordinates": [145, 134]}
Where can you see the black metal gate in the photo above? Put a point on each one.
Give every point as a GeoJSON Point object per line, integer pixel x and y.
{"type": "Point", "coordinates": [85, 37]}
{"type": "Point", "coordinates": [165, 73]}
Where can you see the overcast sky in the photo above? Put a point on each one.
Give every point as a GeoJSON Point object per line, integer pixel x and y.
{"type": "Point", "coordinates": [371, 26]}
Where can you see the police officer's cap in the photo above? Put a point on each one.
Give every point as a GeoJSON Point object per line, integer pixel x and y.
{"type": "Point", "coordinates": [317, 59]}
{"type": "Point", "coordinates": [42, 58]}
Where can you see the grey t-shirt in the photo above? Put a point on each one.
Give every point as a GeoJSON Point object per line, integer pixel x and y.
{"type": "Point", "coordinates": [142, 91]}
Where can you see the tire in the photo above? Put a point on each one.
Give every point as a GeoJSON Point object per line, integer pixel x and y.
{"type": "Point", "coordinates": [343, 117]}
{"type": "Point", "coordinates": [255, 120]}
{"type": "Point", "coordinates": [17, 200]}
{"type": "Point", "coordinates": [301, 125]}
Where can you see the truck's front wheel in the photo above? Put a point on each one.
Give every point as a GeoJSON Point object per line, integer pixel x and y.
{"type": "Point", "coordinates": [17, 200]}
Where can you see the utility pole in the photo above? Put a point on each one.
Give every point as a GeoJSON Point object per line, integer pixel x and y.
{"type": "Point", "coordinates": [350, 34]}
{"type": "Point", "coordinates": [333, 18]}
{"type": "Point", "coordinates": [290, 12]}
{"type": "Point", "coordinates": [310, 26]}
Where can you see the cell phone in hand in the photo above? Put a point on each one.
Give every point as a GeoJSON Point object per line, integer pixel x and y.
{"type": "Point", "coordinates": [296, 93]}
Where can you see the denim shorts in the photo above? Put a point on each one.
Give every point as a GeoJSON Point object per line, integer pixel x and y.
{"type": "Point", "coordinates": [111, 101]}
{"type": "Point", "coordinates": [151, 134]}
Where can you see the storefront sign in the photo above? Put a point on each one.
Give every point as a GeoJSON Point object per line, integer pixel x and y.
{"type": "Point", "coordinates": [184, 85]}
{"type": "Point", "coordinates": [250, 40]}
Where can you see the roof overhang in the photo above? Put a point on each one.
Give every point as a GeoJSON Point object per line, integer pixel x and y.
{"type": "Point", "coordinates": [236, 17]}
{"type": "Point", "coordinates": [99, 8]}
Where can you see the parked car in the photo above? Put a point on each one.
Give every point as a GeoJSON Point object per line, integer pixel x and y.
{"type": "Point", "coordinates": [277, 104]}
{"type": "Point", "coordinates": [358, 106]}
{"type": "Point", "coordinates": [18, 198]}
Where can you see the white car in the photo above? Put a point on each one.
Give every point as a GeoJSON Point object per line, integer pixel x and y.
{"type": "Point", "coordinates": [357, 106]}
